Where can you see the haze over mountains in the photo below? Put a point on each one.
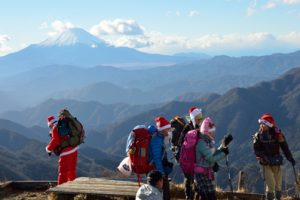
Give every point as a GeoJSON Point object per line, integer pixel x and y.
{"type": "Point", "coordinates": [59, 68]}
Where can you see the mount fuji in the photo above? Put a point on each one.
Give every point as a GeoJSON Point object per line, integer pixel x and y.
{"type": "Point", "coordinates": [77, 47]}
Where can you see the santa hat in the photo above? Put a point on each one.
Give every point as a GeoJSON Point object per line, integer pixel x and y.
{"type": "Point", "coordinates": [162, 123]}
{"type": "Point", "coordinates": [267, 119]}
{"type": "Point", "coordinates": [194, 112]}
{"type": "Point", "coordinates": [207, 126]}
{"type": "Point", "coordinates": [51, 120]}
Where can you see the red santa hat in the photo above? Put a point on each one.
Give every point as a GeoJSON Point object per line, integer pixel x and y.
{"type": "Point", "coordinates": [51, 120]}
{"type": "Point", "coordinates": [194, 112]}
{"type": "Point", "coordinates": [267, 119]}
{"type": "Point", "coordinates": [207, 126]}
{"type": "Point", "coordinates": [162, 123]}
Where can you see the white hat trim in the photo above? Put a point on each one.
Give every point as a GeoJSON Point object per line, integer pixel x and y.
{"type": "Point", "coordinates": [164, 127]}
{"type": "Point", "coordinates": [51, 121]}
{"type": "Point", "coordinates": [212, 129]}
{"type": "Point", "coordinates": [265, 122]}
{"type": "Point", "coordinates": [195, 112]}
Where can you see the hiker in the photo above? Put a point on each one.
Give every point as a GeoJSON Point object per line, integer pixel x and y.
{"type": "Point", "coordinates": [267, 144]}
{"type": "Point", "coordinates": [67, 157]}
{"type": "Point", "coordinates": [153, 189]}
{"type": "Point", "coordinates": [158, 151]}
{"type": "Point", "coordinates": [206, 157]}
{"type": "Point", "coordinates": [194, 123]}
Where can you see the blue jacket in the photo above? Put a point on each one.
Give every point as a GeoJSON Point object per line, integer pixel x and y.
{"type": "Point", "coordinates": [157, 151]}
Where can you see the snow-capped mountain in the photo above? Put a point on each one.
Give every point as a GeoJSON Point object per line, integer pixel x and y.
{"type": "Point", "coordinates": [79, 48]}
{"type": "Point", "coordinates": [72, 37]}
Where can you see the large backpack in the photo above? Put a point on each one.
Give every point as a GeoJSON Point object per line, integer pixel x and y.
{"type": "Point", "coordinates": [187, 158]}
{"type": "Point", "coordinates": [177, 124]}
{"type": "Point", "coordinates": [138, 150]}
{"type": "Point", "coordinates": [69, 126]}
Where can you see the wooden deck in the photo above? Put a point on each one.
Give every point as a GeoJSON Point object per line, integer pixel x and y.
{"type": "Point", "coordinates": [100, 188]}
{"type": "Point", "coordinates": [96, 188]}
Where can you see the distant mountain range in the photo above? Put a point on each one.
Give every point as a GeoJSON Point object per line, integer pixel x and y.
{"type": "Point", "coordinates": [156, 85]}
{"type": "Point", "coordinates": [79, 48]}
{"type": "Point", "coordinates": [93, 115]}
{"type": "Point", "coordinates": [74, 65]}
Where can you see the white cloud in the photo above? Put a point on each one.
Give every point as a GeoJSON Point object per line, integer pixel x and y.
{"type": "Point", "coordinates": [132, 42]}
{"type": "Point", "coordinates": [60, 26]}
{"type": "Point", "coordinates": [155, 42]}
{"type": "Point", "coordinates": [291, 1]}
{"type": "Point", "coordinates": [194, 13]}
{"type": "Point", "coordinates": [4, 48]}
{"type": "Point", "coordinates": [252, 8]}
{"type": "Point", "coordinates": [270, 5]}
{"type": "Point", "coordinates": [292, 38]}
{"type": "Point", "coordinates": [44, 25]}
{"type": "Point", "coordinates": [177, 13]}
{"type": "Point", "coordinates": [117, 26]}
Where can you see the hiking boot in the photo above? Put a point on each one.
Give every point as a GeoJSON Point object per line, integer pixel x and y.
{"type": "Point", "coordinates": [278, 195]}
{"type": "Point", "coordinates": [270, 196]}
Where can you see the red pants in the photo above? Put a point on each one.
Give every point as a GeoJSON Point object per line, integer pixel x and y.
{"type": "Point", "coordinates": [67, 168]}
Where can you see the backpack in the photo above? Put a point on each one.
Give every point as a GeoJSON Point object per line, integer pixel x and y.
{"type": "Point", "coordinates": [177, 124]}
{"type": "Point", "coordinates": [137, 149]}
{"type": "Point", "coordinates": [71, 127]}
{"type": "Point", "coordinates": [187, 158]}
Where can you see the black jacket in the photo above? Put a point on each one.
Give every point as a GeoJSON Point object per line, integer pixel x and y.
{"type": "Point", "coordinates": [267, 145]}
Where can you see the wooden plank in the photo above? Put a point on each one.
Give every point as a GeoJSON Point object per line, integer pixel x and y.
{"type": "Point", "coordinates": [5, 185]}
{"type": "Point", "coordinates": [97, 186]}
{"type": "Point", "coordinates": [93, 189]}
{"type": "Point", "coordinates": [33, 185]}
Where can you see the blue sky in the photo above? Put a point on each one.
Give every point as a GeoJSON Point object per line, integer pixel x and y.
{"type": "Point", "coordinates": [233, 27]}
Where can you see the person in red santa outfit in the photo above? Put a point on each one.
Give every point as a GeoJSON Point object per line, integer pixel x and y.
{"type": "Point", "coordinates": [67, 157]}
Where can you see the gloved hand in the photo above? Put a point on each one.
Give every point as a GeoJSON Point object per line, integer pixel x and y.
{"type": "Point", "coordinates": [226, 151]}
{"type": "Point", "coordinates": [227, 139]}
{"type": "Point", "coordinates": [293, 162]}
{"type": "Point", "coordinates": [216, 167]}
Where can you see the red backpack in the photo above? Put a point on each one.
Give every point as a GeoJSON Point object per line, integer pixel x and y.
{"type": "Point", "coordinates": [138, 150]}
{"type": "Point", "coordinates": [187, 159]}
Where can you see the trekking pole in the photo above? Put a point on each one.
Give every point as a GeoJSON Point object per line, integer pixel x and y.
{"type": "Point", "coordinates": [265, 185]}
{"type": "Point", "coordinates": [229, 178]}
{"type": "Point", "coordinates": [295, 174]}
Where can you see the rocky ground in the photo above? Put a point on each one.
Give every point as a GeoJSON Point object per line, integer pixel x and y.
{"type": "Point", "coordinates": [21, 195]}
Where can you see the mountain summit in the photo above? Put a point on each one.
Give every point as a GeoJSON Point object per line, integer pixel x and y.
{"type": "Point", "coordinates": [72, 37]}
{"type": "Point", "coordinates": [77, 47]}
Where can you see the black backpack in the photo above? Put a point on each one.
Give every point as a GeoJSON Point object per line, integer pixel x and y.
{"type": "Point", "coordinates": [177, 124]}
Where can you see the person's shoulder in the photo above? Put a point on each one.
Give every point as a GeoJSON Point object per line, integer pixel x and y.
{"type": "Point", "coordinates": [279, 136]}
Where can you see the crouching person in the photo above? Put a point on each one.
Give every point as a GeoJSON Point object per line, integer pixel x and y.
{"type": "Point", "coordinates": [158, 153]}
{"type": "Point", "coordinates": [206, 157]}
{"type": "Point", "coordinates": [153, 189]}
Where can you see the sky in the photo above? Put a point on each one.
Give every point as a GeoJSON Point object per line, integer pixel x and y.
{"type": "Point", "coordinates": [214, 27]}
